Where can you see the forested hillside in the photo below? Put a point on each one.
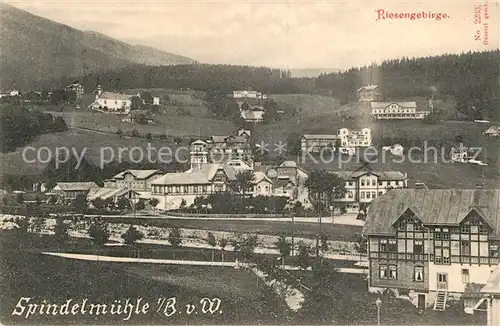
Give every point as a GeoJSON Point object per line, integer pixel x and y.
{"type": "Point", "coordinates": [19, 126]}
{"type": "Point", "coordinates": [473, 79]}
{"type": "Point", "coordinates": [205, 77]}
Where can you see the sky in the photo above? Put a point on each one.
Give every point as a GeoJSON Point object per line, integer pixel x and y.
{"type": "Point", "coordinates": [282, 34]}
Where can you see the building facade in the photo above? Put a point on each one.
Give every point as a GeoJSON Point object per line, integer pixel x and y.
{"type": "Point", "coordinates": [138, 180]}
{"type": "Point", "coordinates": [397, 111]}
{"type": "Point", "coordinates": [369, 93]}
{"type": "Point", "coordinates": [364, 186]}
{"type": "Point", "coordinates": [65, 192]}
{"type": "Point", "coordinates": [316, 143]}
{"type": "Point", "coordinates": [432, 243]}
{"type": "Point", "coordinates": [77, 88]}
{"type": "Point", "coordinates": [355, 138]}
{"type": "Point", "coordinates": [111, 102]}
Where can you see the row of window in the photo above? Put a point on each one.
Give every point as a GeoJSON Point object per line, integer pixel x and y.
{"type": "Point", "coordinates": [394, 111]}
{"type": "Point", "coordinates": [373, 182]}
{"type": "Point", "coordinates": [369, 194]}
{"type": "Point", "coordinates": [391, 272]}
{"type": "Point", "coordinates": [183, 189]}
{"type": "Point", "coordinates": [441, 233]}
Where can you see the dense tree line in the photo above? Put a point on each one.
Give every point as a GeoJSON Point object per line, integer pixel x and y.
{"type": "Point", "coordinates": [205, 77]}
{"type": "Point", "coordinates": [471, 78]}
{"type": "Point", "coordinates": [19, 126]}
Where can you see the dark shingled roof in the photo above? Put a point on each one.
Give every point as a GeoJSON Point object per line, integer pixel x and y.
{"type": "Point", "coordinates": [433, 207]}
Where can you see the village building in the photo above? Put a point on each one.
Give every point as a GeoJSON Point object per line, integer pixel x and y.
{"type": "Point", "coordinates": [364, 186]}
{"type": "Point", "coordinates": [247, 94]}
{"type": "Point", "coordinates": [77, 88]}
{"type": "Point", "coordinates": [354, 138]}
{"type": "Point", "coordinates": [315, 143]}
{"type": "Point", "coordinates": [111, 102]}
{"type": "Point", "coordinates": [138, 180]}
{"type": "Point", "coordinates": [460, 154]}
{"type": "Point", "coordinates": [230, 146]}
{"type": "Point", "coordinates": [113, 194]}
{"type": "Point", "coordinates": [491, 292]}
{"type": "Point", "coordinates": [65, 192]}
{"type": "Point", "coordinates": [288, 180]}
{"type": "Point", "coordinates": [204, 178]}
{"type": "Point", "coordinates": [434, 244]}
{"type": "Point", "coordinates": [493, 131]}
{"type": "Point", "coordinates": [11, 93]}
{"type": "Point", "coordinates": [397, 111]}
{"type": "Point", "coordinates": [254, 114]}
{"type": "Point", "coordinates": [369, 93]}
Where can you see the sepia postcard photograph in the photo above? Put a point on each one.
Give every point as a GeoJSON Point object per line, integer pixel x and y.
{"type": "Point", "coordinates": [279, 162]}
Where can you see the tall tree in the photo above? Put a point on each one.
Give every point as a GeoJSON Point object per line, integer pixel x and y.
{"type": "Point", "coordinates": [243, 182]}
{"type": "Point", "coordinates": [325, 187]}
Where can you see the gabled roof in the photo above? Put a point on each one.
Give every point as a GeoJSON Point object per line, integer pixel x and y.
{"type": "Point", "coordinates": [76, 186]}
{"type": "Point", "coordinates": [114, 96]}
{"type": "Point", "coordinates": [105, 193]}
{"type": "Point", "coordinates": [319, 136]}
{"type": "Point", "coordinates": [278, 183]}
{"type": "Point", "coordinates": [138, 174]}
{"type": "Point", "coordinates": [380, 105]}
{"type": "Point", "coordinates": [493, 129]}
{"type": "Point", "coordinates": [203, 176]}
{"type": "Point", "coordinates": [433, 207]}
{"type": "Point", "coordinates": [382, 175]}
{"type": "Point", "coordinates": [261, 176]}
{"type": "Point", "coordinates": [493, 284]}
{"type": "Point", "coordinates": [368, 88]}
{"type": "Point", "coordinates": [252, 114]}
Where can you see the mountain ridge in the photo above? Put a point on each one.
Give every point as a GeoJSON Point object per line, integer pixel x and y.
{"type": "Point", "coordinates": [37, 49]}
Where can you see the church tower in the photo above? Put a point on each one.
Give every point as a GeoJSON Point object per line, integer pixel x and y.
{"type": "Point", "coordinates": [198, 154]}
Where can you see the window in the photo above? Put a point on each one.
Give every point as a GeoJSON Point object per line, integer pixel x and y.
{"type": "Point", "coordinates": [393, 272]}
{"type": "Point", "coordinates": [418, 247]}
{"type": "Point", "coordinates": [446, 255]}
{"type": "Point", "coordinates": [195, 189]}
{"type": "Point", "coordinates": [362, 182]}
{"type": "Point", "coordinates": [374, 182]}
{"type": "Point", "coordinates": [205, 188]}
{"type": "Point", "coordinates": [186, 189]}
{"type": "Point", "coordinates": [483, 229]}
{"type": "Point", "coordinates": [116, 102]}
{"type": "Point", "coordinates": [383, 245]}
{"type": "Point", "coordinates": [465, 276]}
{"type": "Point", "coordinates": [493, 250]}
{"type": "Point", "coordinates": [383, 271]}
{"type": "Point", "coordinates": [465, 248]}
{"type": "Point", "coordinates": [465, 228]}
{"type": "Point", "coordinates": [401, 226]}
{"type": "Point", "coordinates": [362, 195]}
{"type": "Point", "coordinates": [418, 274]}
{"type": "Point", "coordinates": [417, 227]}
{"type": "Point", "coordinates": [367, 195]}
{"type": "Point", "coordinates": [380, 193]}
{"type": "Point", "coordinates": [393, 246]}
{"type": "Point", "coordinates": [350, 194]}
{"type": "Point", "coordinates": [374, 194]}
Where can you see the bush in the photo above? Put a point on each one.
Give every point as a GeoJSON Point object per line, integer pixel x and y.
{"type": "Point", "coordinates": [99, 233]}
{"type": "Point", "coordinates": [211, 239]}
{"type": "Point", "coordinates": [132, 235]}
{"type": "Point", "coordinates": [174, 237]}
{"type": "Point", "coordinates": [61, 231]}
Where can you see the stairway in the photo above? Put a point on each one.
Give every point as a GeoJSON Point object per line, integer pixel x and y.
{"type": "Point", "coordinates": [440, 303]}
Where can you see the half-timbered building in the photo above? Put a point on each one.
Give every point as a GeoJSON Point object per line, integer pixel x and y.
{"type": "Point", "coordinates": [432, 244]}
